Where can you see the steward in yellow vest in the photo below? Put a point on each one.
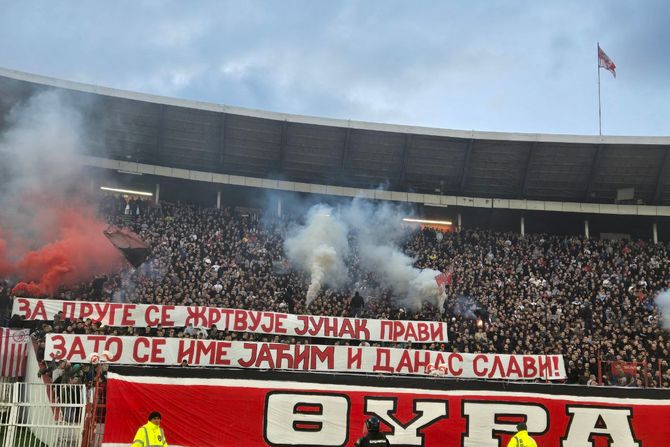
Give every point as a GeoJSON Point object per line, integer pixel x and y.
{"type": "Point", "coordinates": [521, 438]}
{"type": "Point", "coordinates": [150, 434]}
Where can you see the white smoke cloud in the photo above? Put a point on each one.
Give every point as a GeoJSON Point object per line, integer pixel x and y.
{"type": "Point", "coordinates": [424, 288]}
{"type": "Point", "coordinates": [663, 303]}
{"type": "Point", "coordinates": [320, 246]}
{"type": "Point", "coordinates": [41, 148]}
{"type": "Point", "coordinates": [44, 141]}
{"type": "Point", "coordinates": [380, 233]}
{"type": "Point", "coordinates": [377, 223]}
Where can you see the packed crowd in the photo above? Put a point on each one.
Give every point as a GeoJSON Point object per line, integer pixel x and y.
{"type": "Point", "coordinates": [538, 294]}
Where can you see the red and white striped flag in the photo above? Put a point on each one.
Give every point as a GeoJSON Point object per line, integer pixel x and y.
{"type": "Point", "coordinates": [605, 62]}
{"type": "Point", "coordinates": [13, 352]}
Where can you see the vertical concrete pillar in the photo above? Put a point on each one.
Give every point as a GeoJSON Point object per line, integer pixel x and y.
{"type": "Point", "coordinates": [523, 226]}
{"type": "Point", "coordinates": [587, 233]}
{"type": "Point", "coordinates": [157, 196]}
{"type": "Point", "coordinates": [654, 232]}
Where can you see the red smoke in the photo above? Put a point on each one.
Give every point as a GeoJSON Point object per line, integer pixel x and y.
{"type": "Point", "coordinates": [74, 250]}
{"type": "Point", "coordinates": [28, 289]}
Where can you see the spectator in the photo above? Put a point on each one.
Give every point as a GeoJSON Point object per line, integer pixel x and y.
{"type": "Point", "coordinates": [357, 304]}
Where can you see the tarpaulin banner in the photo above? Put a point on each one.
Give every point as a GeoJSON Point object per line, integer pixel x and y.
{"type": "Point", "coordinates": [258, 355]}
{"type": "Point", "coordinates": [239, 320]}
{"type": "Point", "coordinates": [203, 412]}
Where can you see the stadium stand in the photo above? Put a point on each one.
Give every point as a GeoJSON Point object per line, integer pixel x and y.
{"type": "Point", "coordinates": [561, 252]}
{"type": "Point", "coordinates": [590, 299]}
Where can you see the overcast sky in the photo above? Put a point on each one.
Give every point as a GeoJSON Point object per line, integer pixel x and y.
{"type": "Point", "coordinates": [512, 66]}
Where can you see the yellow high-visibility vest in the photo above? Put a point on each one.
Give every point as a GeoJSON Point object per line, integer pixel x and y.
{"type": "Point", "coordinates": [521, 439]}
{"type": "Point", "coordinates": [150, 435]}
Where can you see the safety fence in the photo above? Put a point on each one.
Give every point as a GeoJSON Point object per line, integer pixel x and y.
{"type": "Point", "coordinates": [94, 421]}
{"type": "Point", "coordinates": [39, 415]}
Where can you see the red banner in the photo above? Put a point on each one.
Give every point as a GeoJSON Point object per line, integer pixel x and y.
{"type": "Point", "coordinates": [621, 367]}
{"type": "Point", "coordinates": [239, 320]}
{"type": "Point", "coordinates": [326, 358]}
{"type": "Point", "coordinates": [244, 412]}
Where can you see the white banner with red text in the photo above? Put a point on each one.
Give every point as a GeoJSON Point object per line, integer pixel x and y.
{"type": "Point", "coordinates": [280, 356]}
{"type": "Point", "coordinates": [213, 412]}
{"type": "Point", "coordinates": [239, 320]}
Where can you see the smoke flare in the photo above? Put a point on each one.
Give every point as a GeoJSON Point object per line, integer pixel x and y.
{"type": "Point", "coordinates": [49, 233]}
{"type": "Point", "coordinates": [663, 303]}
{"type": "Point", "coordinates": [321, 245]}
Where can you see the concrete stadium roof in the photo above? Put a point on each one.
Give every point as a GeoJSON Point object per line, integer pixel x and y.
{"type": "Point", "coordinates": [182, 134]}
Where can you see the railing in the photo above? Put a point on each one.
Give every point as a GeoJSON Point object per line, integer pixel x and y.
{"type": "Point", "coordinates": [38, 415]}
{"type": "Point", "coordinates": [94, 422]}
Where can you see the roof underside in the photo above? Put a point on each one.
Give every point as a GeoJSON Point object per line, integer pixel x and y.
{"type": "Point", "coordinates": [231, 143]}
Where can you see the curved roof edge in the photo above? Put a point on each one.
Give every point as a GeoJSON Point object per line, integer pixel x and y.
{"type": "Point", "coordinates": [418, 130]}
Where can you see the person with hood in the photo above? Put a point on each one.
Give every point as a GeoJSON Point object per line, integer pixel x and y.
{"type": "Point", "coordinates": [150, 434]}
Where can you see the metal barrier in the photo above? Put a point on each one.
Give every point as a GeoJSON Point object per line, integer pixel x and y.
{"type": "Point", "coordinates": [38, 415]}
{"type": "Point", "coordinates": [94, 422]}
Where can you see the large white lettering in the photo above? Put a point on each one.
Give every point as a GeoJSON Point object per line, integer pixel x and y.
{"type": "Point", "coordinates": [483, 422]}
{"type": "Point", "coordinates": [589, 422]}
{"type": "Point", "coordinates": [407, 434]}
{"type": "Point", "coordinates": [306, 419]}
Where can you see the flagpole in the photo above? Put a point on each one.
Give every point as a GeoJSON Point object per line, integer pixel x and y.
{"type": "Point", "coordinates": [600, 118]}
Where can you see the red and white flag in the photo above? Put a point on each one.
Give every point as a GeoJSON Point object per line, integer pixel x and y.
{"type": "Point", "coordinates": [13, 351]}
{"type": "Point", "coordinates": [444, 279]}
{"type": "Point", "coordinates": [605, 62]}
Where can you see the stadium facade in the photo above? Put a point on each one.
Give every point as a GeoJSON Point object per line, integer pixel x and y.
{"type": "Point", "coordinates": [215, 154]}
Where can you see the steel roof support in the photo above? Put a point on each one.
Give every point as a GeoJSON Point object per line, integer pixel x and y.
{"type": "Point", "coordinates": [160, 138]}
{"type": "Point", "coordinates": [283, 144]}
{"type": "Point", "coordinates": [405, 157]}
{"type": "Point", "coordinates": [345, 152]}
{"type": "Point", "coordinates": [529, 162]}
{"type": "Point", "coordinates": [222, 140]}
{"type": "Point", "coordinates": [592, 172]}
{"type": "Point", "coordinates": [661, 175]}
{"type": "Point", "coordinates": [466, 164]}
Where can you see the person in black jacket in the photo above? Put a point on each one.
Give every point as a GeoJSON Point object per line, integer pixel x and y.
{"type": "Point", "coordinates": [357, 305]}
{"type": "Point", "coordinates": [373, 436]}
